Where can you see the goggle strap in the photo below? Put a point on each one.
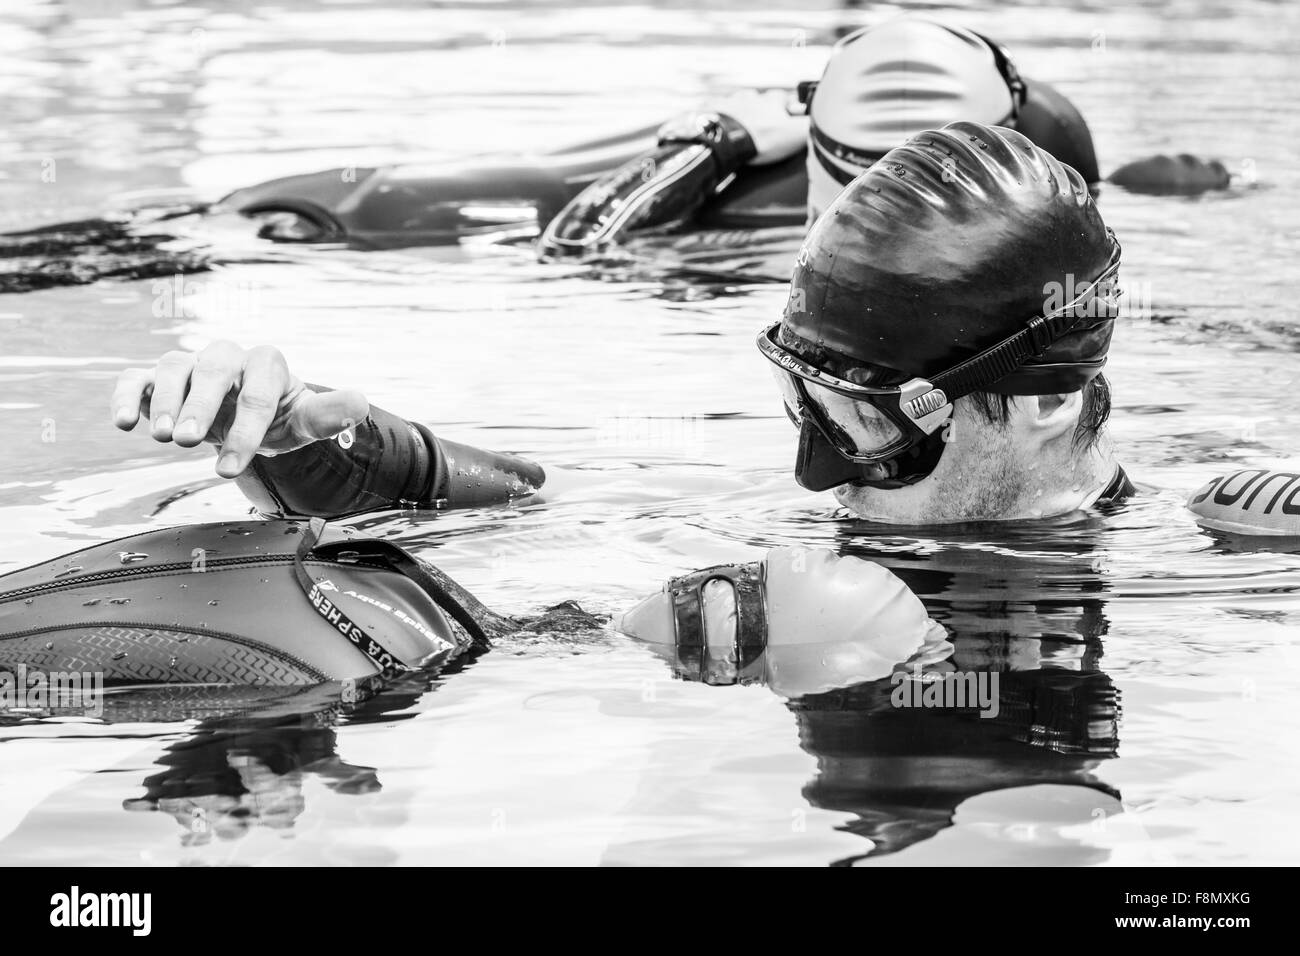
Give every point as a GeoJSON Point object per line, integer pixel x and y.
{"type": "Point", "coordinates": [824, 146]}
{"type": "Point", "coordinates": [987, 367]}
{"type": "Point", "coordinates": [1010, 75]}
{"type": "Point", "coordinates": [687, 593]}
{"type": "Point", "coordinates": [997, 362]}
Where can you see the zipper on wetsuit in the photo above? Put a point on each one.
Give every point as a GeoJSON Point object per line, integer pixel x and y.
{"type": "Point", "coordinates": [98, 576]}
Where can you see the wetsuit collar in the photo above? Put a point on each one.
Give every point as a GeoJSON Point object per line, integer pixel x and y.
{"type": "Point", "coordinates": [1119, 489]}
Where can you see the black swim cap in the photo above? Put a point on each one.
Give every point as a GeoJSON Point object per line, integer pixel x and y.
{"type": "Point", "coordinates": [946, 246]}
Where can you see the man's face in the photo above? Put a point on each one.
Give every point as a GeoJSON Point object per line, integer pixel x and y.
{"type": "Point", "coordinates": [988, 471]}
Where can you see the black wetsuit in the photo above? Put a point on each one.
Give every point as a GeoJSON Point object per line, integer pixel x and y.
{"type": "Point", "coordinates": [1119, 490]}
{"type": "Point", "coordinates": [385, 462]}
{"type": "Point", "coordinates": [400, 206]}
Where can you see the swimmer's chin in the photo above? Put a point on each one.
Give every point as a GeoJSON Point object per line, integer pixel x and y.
{"type": "Point", "coordinates": [858, 500]}
{"type": "Point", "coordinates": [871, 504]}
{"type": "Point", "coordinates": [900, 506]}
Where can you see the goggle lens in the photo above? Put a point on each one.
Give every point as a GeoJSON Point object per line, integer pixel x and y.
{"type": "Point", "coordinates": [855, 426]}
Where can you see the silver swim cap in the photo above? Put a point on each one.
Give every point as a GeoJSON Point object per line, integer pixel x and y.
{"type": "Point", "coordinates": [888, 82]}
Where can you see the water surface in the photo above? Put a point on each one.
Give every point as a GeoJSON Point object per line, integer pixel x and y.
{"type": "Point", "coordinates": [1148, 667]}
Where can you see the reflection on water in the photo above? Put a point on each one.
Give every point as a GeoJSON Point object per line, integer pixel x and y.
{"type": "Point", "coordinates": [1039, 621]}
{"type": "Point", "coordinates": [639, 388]}
{"type": "Point", "coordinates": [245, 768]}
{"type": "Point", "coordinates": [246, 758]}
{"type": "Point", "coordinates": [903, 773]}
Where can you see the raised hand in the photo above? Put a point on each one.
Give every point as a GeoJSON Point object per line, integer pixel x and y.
{"type": "Point", "coordinates": [244, 401]}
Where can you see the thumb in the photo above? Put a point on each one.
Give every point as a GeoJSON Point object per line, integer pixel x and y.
{"type": "Point", "coordinates": [326, 414]}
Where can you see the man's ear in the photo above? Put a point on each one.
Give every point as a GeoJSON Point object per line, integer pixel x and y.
{"type": "Point", "coordinates": [1047, 418]}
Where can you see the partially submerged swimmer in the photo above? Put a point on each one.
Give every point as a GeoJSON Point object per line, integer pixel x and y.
{"type": "Point", "coordinates": [881, 85]}
{"type": "Point", "coordinates": [943, 343]}
{"type": "Point", "coordinates": [941, 352]}
{"type": "Point", "coordinates": [747, 163]}
{"type": "Point", "coordinates": [905, 718]}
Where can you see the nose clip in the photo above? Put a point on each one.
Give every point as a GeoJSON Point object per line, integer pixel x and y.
{"type": "Point", "coordinates": [694, 661]}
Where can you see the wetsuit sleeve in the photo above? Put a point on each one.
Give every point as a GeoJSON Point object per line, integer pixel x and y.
{"type": "Point", "coordinates": [666, 186]}
{"type": "Point", "coordinates": [384, 462]}
{"type": "Point", "coordinates": [698, 156]}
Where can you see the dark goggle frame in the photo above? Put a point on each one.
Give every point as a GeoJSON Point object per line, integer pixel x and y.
{"type": "Point", "coordinates": [919, 407]}
{"type": "Point", "coordinates": [916, 407]}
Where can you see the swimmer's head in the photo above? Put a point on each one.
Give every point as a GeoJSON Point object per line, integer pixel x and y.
{"type": "Point", "coordinates": [891, 81]}
{"type": "Point", "coordinates": [815, 621]}
{"type": "Point", "coordinates": [893, 353]}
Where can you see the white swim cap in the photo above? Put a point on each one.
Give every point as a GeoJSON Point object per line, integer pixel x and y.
{"type": "Point", "coordinates": [888, 82]}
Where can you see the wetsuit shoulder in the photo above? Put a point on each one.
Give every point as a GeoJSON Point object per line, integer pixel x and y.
{"type": "Point", "coordinates": [1054, 123]}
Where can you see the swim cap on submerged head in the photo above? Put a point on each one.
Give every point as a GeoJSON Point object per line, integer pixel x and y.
{"type": "Point", "coordinates": [888, 82]}
{"type": "Point", "coordinates": [967, 259]}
